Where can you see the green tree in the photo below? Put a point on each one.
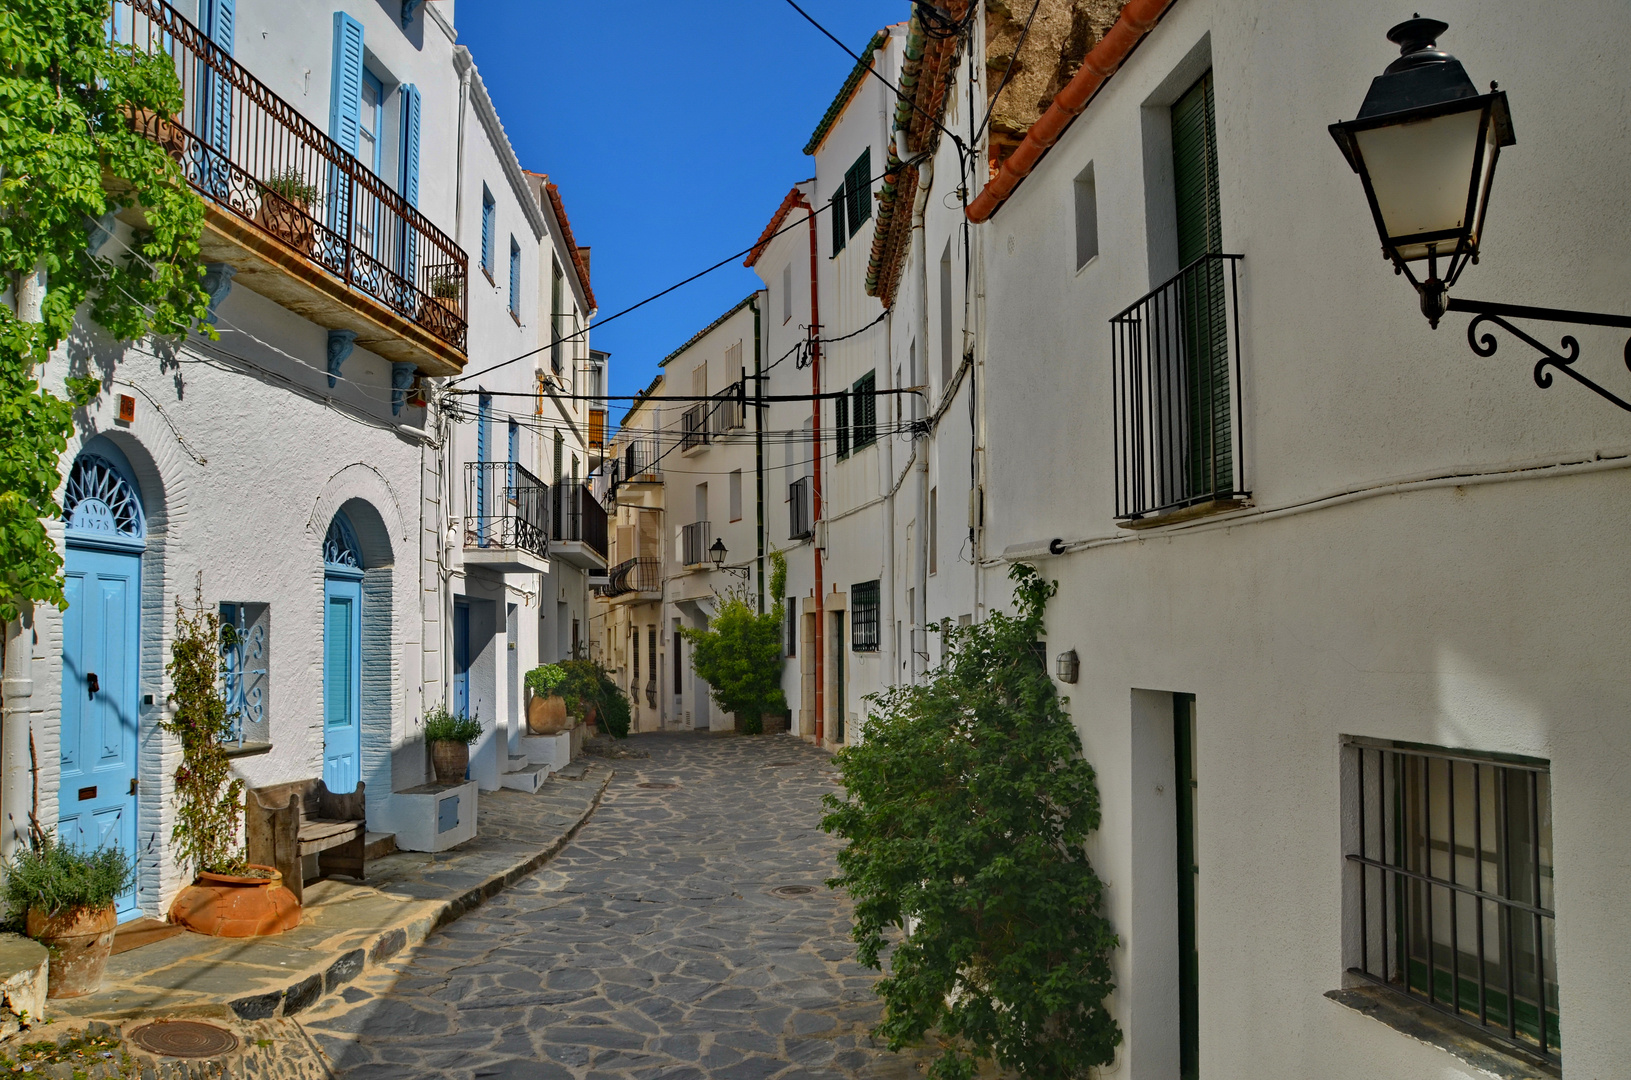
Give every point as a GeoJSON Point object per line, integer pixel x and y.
{"type": "Point", "coordinates": [740, 654]}
{"type": "Point", "coordinates": [69, 156]}
{"type": "Point", "coordinates": [967, 811]}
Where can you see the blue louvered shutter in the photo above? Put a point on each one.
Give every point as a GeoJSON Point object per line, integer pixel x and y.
{"type": "Point", "coordinates": [344, 114]}
{"type": "Point", "coordinates": [515, 278]}
{"type": "Point", "coordinates": [487, 216]}
{"type": "Point", "coordinates": [411, 107]}
{"type": "Point", "coordinates": [220, 17]}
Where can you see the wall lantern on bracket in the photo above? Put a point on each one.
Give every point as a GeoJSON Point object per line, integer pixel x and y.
{"type": "Point", "coordinates": [717, 553]}
{"type": "Point", "coordinates": [1425, 145]}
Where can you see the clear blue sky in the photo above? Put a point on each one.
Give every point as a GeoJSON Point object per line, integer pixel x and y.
{"type": "Point", "coordinates": [673, 131]}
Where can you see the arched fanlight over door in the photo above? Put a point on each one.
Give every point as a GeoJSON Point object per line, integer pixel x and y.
{"type": "Point", "coordinates": [100, 502]}
{"type": "Point", "coordinates": [340, 548]}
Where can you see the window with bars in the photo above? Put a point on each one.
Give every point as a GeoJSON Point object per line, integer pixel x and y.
{"type": "Point", "coordinates": [858, 191]}
{"type": "Point", "coordinates": [1449, 857]}
{"type": "Point", "coordinates": [864, 411]}
{"type": "Point", "coordinates": [863, 616]}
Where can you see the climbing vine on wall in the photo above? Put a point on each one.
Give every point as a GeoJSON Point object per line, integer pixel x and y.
{"type": "Point", "coordinates": [966, 814]}
{"type": "Point", "coordinates": [69, 158]}
{"type": "Point", "coordinates": [209, 802]}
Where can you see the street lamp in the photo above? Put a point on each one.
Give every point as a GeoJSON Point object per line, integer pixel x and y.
{"type": "Point", "coordinates": [717, 553]}
{"type": "Point", "coordinates": [1425, 145]}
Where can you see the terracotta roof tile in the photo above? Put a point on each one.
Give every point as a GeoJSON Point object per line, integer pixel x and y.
{"type": "Point", "coordinates": [559, 207]}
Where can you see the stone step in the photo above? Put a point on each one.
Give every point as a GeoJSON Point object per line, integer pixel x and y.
{"type": "Point", "coordinates": [528, 778]}
{"type": "Point", "coordinates": [517, 762]}
{"type": "Point", "coordinates": [377, 845]}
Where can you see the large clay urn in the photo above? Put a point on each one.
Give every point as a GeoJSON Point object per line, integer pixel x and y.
{"type": "Point", "coordinates": [450, 758]}
{"type": "Point", "coordinates": [229, 905]}
{"type": "Point", "coordinates": [80, 940]}
{"type": "Point", "coordinates": [547, 715]}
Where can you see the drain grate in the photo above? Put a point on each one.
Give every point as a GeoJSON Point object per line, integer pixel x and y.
{"type": "Point", "coordinates": [792, 890]}
{"type": "Point", "coordinates": [184, 1039]}
{"type": "Point", "coordinates": [658, 784]}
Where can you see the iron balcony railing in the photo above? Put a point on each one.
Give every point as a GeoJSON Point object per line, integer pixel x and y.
{"type": "Point", "coordinates": [694, 540]}
{"type": "Point", "coordinates": [694, 427]}
{"type": "Point", "coordinates": [633, 575]}
{"type": "Point", "coordinates": [800, 523]}
{"type": "Point", "coordinates": [578, 516]}
{"type": "Point", "coordinates": [729, 410]}
{"type": "Point", "coordinates": [1175, 357]}
{"type": "Point", "coordinates": [636, 464]}
{"type": "Point", "coordinates": [254, 155]}
{"type": "Point", "coordinates": [506, 508]}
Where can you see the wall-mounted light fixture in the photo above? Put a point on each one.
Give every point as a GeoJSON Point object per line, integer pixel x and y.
{"type": "Point", "coordinates": [1068, 666]}
{"type": "Point", "coordinates": [1425, 145]}
{"type": "Point", "coordinates": [717, 553]}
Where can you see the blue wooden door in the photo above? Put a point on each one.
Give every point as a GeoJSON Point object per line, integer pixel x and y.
{"type": "Point", "coordinates": [100, 634]}
{"type": "Point", "coordinates": [461, 659]}
{"type": "Point", "coordinates": [342, 682]}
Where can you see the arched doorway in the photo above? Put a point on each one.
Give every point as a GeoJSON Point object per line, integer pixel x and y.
{"type": "Point", "coordinates": [342, 656]}
{"type": "Point", "coordinates": [105, 536]}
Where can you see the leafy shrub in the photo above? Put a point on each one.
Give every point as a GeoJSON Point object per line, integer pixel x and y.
{"type": "Point", "coordinates": [54, 876]}
{"type": "Point", "coordinates": [444, 726]}
{"type": "Point", "coordinates": [968, 807]}
{"type": "Point", "coordinates": [740, 656]}
{"type": "Point", "coordinates": [292, 184]}
{"type": "Point", "coordinates": [546, 679]}
{"type": "Point", "coordinates": [581, 687]}
{"type": "Point", "coordinates": [615, 713]}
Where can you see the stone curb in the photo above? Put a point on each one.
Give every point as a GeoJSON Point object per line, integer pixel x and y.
{"type": "Point", "coordinates": [302, 993]}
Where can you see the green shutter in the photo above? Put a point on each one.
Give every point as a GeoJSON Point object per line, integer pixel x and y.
{"type": "Point", "coordinates": [1201, 298]}
{"type": "Point", "coordinates": [841, 425]}
{"type": "Point", "coordinates": [858, 183]}
{"type": "Point", "coordinates": [838, 233]}
{"type": "Point", "coordinates": [865, 394]}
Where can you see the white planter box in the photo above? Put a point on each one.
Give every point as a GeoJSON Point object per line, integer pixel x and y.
{"type": "Point", "coordinates": [552, 750]}
{"type": "Point", "coordinates": [432, 817]}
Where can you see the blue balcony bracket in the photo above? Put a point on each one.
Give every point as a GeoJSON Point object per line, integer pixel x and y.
{"type": "Point", "coordinates": [402, 373]}
{"type": "Point", "coordinates": [218, 283]}
{"type": "Point", "coordinates": [408, 8]}
{"type": "Point", "coordinates": [98, 231]}
{"type": "Point", "coordinates": [340, 344]}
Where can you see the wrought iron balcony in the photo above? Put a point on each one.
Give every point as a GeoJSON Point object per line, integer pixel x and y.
{"type": "Point", "coordinates": [632, 576]}
{"type": "Point", "coordinates": [275, 175]}
{"type": "Point", "coordinates": [506, 513]}
{"type": "Point", "coordinates": [579, 524]}
{"type": "Point", "coordinates": [694, 431]}
{"type": "Point", "coordinates": [800, 519]}
{"type": "Point", "coordinates": [635, 464]}
{"type": "Point", "coordinates": [694, 541]}
{"type": "Point", "coordinates": [1175, 357]}
{"type": "Point", "coordinates": [729, 412]}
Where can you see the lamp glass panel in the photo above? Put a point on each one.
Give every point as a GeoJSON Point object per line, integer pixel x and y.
{"type": "Point", "coordinates": [1422, 172]}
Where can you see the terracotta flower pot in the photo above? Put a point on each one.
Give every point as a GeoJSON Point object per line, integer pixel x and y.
{"type": "Point", "coordinates": [80, 940]}
{"type": "Point", "coordinates": [450, 758]}
{"type": "Point", "coordinates": [287, 219]}
{"type": "Point", "coordinates": [161, 129]}
{"type": "Point", "coordinates": [226, 905]}
{"type": "Point", "coordinates": [437, 310]}
{"type": "Point", "coordinates": [547, 716]}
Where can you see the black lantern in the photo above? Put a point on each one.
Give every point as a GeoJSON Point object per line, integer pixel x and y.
{"type": "Point", "coordinates": [1068, 666]}
{"type": "Point", "coordinates": [1425, 145]}
{"type": "Point", "coordinates": [717, 552]}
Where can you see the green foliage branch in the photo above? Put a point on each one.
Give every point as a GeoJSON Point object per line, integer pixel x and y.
{"type": "Point", "coordinates": [442, 725]}
{"type": "Point", "coordinates": [966, 814]}
{"type": "Point", "coordinates": [209, 800]}
{"type": "Point", "coordinates": [69, 154]}
{"type": "Point", "coordinates": [53, 876]}
{"type": "Point", "coordinates": [741, 652]}
{"type": "Point", "coordinates": [545, 680]}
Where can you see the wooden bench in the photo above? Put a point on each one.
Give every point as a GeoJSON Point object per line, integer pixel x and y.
{"type": "Point", "coordinates": [283, 823]}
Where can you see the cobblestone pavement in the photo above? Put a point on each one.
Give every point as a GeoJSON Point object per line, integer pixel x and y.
{"type": "Point", "coordinates": [651, 948]}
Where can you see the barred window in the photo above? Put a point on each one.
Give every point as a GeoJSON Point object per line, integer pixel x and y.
{"type": "Point", "coordinates": [863, 616]}
{"type": "Point", "coordinates": [1450, 857]}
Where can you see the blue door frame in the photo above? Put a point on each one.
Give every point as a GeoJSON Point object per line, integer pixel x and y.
{"type": "Point", "coordinates": [342, 657]}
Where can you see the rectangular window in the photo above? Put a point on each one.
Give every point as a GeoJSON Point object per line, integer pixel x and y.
{"type": "Point", "coordinates": [946, 366]}
{"type": "Point", "coordinates": [515, 279]}
{"type": "Point", "coordinates": [792, 627]}
{"type": "Point", "coordinates": [934, 530]}
{"type": "Point", "coordinates": [787, 294]}
{"type": "Point", "coordinates": [1087, 217]}
{"type": "Point", "coordinates": [651, 656]}
{"type": "Point", "coordinates": [858, 189]}
{"type": "Point", "coordinates": [635, 657]}
{"type": "Point", "coordinates": [840, 407]}
{"type": "Point", "coordinates": [556, 317]}
{"type": "Point", "coordinates": [1449, 857]}
{"type": "Point", "coordinates": [736, 495]}
{"type": "Point", "coordinates": [863, 616]}
{"type": "Point", "coordinates": [839, 235]}
{"type": "Point", "coordinates": [865, 411]}
{"type": "Point", "coordinates": [489, 213]}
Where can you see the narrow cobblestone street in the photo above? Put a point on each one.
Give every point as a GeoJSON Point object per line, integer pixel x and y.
{"type": "Point", "coordinates": [653, 946]}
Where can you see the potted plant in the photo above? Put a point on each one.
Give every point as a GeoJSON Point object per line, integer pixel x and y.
{"type": "Point", "coordinates": [740, 654]}
{"type": "Point", "coordinates": [581, 690]}
{"type": "Point", "coordinates": [546, 710]}
{"type": "Point", "coordinates": [445, 290]}
{"type": "Point", "coordinates": [65, 895]}
{"type": "Point", "coordinates": [229, 896]}
{"type": "Point", "coordinates": [285, 209]}
{"type": "Point", "coordinates": [450, 736]}
{"type": "Point", "coordinates": [152, 125]}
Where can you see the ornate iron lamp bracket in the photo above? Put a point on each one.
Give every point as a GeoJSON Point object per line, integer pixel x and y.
{"type": "Point", "coordinates": [1485, 344]}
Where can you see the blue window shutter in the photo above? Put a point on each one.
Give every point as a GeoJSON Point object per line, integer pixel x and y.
{"type": "Point", "coordinates": [487, 230]}
{"type": "Point", "coordinates": [222, 14]}
{"type": "Point", "coordinates": [216, 100]}
{"type": "Point", "coordinates": [515, 277]}
{"type": "Point", "coordinates": [410, 143]}
{"type": "Point", "coordinates": [345, 96]}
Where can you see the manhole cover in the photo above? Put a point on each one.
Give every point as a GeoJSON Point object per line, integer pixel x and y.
{"type": "Point", "coordinates": [793, 890]}
{"type": "Point", "coordinates": [184, 1039]}
{"type": "Point", "coordinates": [657, 784]}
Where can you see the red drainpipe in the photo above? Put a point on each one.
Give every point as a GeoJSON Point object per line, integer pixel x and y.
{"type": "Point", "coordinates": [815, 472]}
{"type": "Point", "coordinates": [1101, 62]}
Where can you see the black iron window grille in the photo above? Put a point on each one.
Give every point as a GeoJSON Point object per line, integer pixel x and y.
{"type": "Point", "coordinates": [1175, 357]}
{"type": "Point", "coordinates": [694, 427]}
{"type": "Point", "coordinates": [1450, 872]}
{"type": "Point", "coordinates": [694, 540]}
{"type": "Point", "coordinates": [863, 616]}
{"type": "Point", "coordinates": [799, 517]}
{"type": "Point", "coordinates": [506, 507]}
